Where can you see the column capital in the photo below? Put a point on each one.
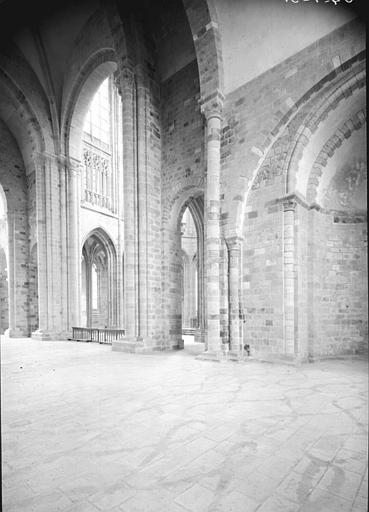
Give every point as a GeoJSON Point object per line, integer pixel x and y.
{"type": "Point", "coordinates": [74, 167]}
{"type": "Point", "coordinates": [124, 76]}
{"type": "Point", "coordinates": [234, 242]}
{"type": "Point", "coordinates": [212, 106]}
{"type": "Point", "coordinates": [289, 204]}
{"type": "Point", "coordinates": [41, 159]}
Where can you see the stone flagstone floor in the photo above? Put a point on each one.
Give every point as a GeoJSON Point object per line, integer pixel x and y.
{"type": "Point", "coordinates": [87, 429]}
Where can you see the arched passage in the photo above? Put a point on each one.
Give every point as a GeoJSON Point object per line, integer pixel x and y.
{"type": "Point", "coordinates": [191, 207]}
{"type": "Point", "coordinates": [99, 282]}
{"type": "Point", "coordinates": [189, 245]}
{"type": "Point", "coordinates": [307, 245]}
{"type": "Point", "coordinates": [93, 164]}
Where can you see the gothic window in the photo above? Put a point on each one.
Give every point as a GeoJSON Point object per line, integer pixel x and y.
{"type": "Point", "coordinates": [102, 148]}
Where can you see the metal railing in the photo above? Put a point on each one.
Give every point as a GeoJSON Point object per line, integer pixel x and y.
{"type": "Point", "coordinates": [97, 335]}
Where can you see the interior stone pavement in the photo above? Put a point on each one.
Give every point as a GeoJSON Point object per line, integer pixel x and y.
{"type": "Point", "coordinates": [87, 429]}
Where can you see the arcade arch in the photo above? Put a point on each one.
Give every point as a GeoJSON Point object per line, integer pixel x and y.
{"type": "Point", "coordinates": [99, 283]}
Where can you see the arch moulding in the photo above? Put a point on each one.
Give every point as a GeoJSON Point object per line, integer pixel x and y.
{"type": "Point", "coordinates": [313, 107]}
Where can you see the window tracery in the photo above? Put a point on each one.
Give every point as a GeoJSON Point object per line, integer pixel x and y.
{"type": "Point", "coordinates": [101, 152]}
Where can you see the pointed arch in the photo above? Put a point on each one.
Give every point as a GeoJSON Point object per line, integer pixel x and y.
{"type": "Point", "coordinates": [293, 131]}
{"type": "Point", "coordinates": [98, 254]}
{"type": "Point", "coordinates": [203, 21]}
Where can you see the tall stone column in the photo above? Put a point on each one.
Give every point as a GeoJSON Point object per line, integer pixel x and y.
{"type": "Point", "coordinates": [118, 195]}
{"type": "Point", "coordinates": [17, 274]}
{"type": "Point", "coordinates": [142, 195]}
{"type": "Point", "coordinates": [74, 250]}
{"type": "Point", "coordinates": [126, 82]}
{"type": "Point", "coordinates": [213, 115]}
{"type": "Point", "coordinates": [200, 331]}
{"type": "Point", "coordinates": [50, 224]}
{"type": "Point", "coordinates": [234, 245]}
{"type": "Point", "coordinates": [132, 92]}
{"type": "Point", "coordinates": [289, 277]}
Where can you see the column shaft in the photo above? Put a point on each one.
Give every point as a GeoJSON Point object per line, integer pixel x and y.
{"type": "Point", "coordinates": [289, 276]}
{"type": "Point", "coordinates": [212, 233]}
{"type": "Point", "coordinates": [50, 225]}
{"type": "Point", "coordinates": [74, 245]}
{"type": "Point", "coordinates": [234, 253]}
{"type": "Point", "coordinates": [127, 89]}
{"type": "Point", "coordinates": [142, 208]}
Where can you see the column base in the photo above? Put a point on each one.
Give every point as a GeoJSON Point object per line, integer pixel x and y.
{"type": "Point", "coordinates": [199, 336]}
{"type": "Point", "coordinates": [278, 358]}
{"type": "Point", "coordinates": [41, 335]}
{"type": "Point", "coordinates": [174, 342]}
{"type": "Point", "coordinates": [15, 333]}
{"type": "Point", "coordinates": [233, 355]}
{"type": "Point", "coordinates": [222, 356]}
{"type": "Point", "coordinates": [137, 345]}
{"type": "Point", "coordinates": [209, 355]}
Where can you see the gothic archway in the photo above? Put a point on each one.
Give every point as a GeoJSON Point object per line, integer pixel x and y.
{"type": "Point", "coordinates": [194, 203]}
{"type": "Point", "coordinates": [99, 283]}
{"type": "Point", "coordinates": [190, 296]}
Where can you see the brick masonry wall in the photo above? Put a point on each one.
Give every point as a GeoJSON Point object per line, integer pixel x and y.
{"type": "Point", "coordinates": [302, 272]}
{"type": "Point", "coordinates": [154, 203]}
{"type": "Point", "coordinates": [339, 287]}
{"type": "Point", "coordinates": [32, 265]}
{"type": "Point", "coordinates": [253, 112]}
{"type": "Point", "coordinates": [182, 126]}
{"type": "Point", "coordinates": [182, 169]}
{"type": "Point", "coordinates": [252, 116]}
{"type": "Point", "coordinates": [262, 272]}
{"type": "Point", "coordinates": [224, 293]}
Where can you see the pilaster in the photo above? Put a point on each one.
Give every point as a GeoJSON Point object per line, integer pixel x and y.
{"type": "Point", "coordinates": [234, 245]}
{"type": "Point", "coordinates": [74, 171]}
{"type": "Point", "coordinates": [289, 275]}
{"type": "Point", "coordinates": [17, 274]}
{"type": "Point", "coordinates": [212, 110]}
{"type": "Point", "coordinates": [50, 226]}
{"type": "Point", "coordinates": [126, 83]}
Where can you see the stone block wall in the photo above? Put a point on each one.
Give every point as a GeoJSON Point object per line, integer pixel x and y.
{"type": "Point", "coordinates": [224, 293]}
{"type": "Point", "coordinates": [339, 297]}
{"type": "Point", "coordinates": [13, 181]}
{"type": "Point", "coordinates": [254, 113]}
{"type": "Point", "coordinates": [303, 270]}
{"type": "Point", "coordinates": [182, 172]}
{"type": "Point", "coordinates": [253, 159]}
{"type": "Point", "coordinates": [262, 271]}
{"type": "Point", "coordinates": [153, 213]}
{"type": "Point", "coordinates": [33, 290]}
{"type": "Point", "coordinates": [182, 127]}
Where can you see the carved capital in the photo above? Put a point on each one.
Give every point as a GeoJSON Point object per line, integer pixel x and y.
{"type": "Point", "coordinates": [74, 167]}
{"type": "Point", "coordinates": [289, 205]}
{"type": "Point", "coordinates": [39, 160]}
{"type": "Point", "coordinates": [124, 77]}
{"type": "Point", "coordinates": [212, 106]}
{"type": "Point", "coordinates": [234, 243]}
{"type": "Point", "coordinates": [43, 160]}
